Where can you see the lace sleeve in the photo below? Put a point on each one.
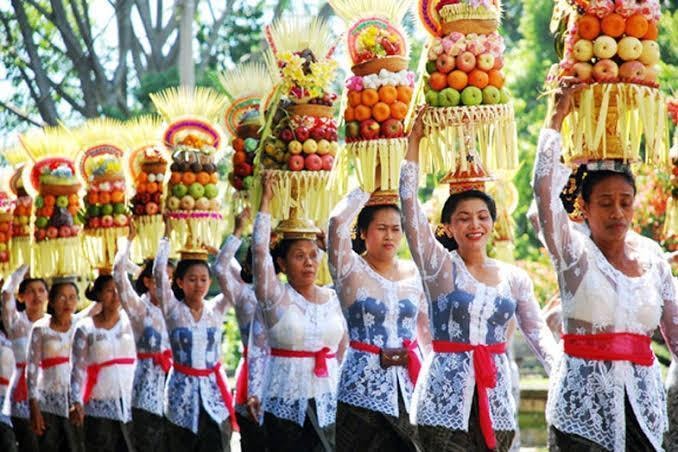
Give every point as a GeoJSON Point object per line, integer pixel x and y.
{"type": "Point", "coordinates": [230, 286]}
{"type": "Point", "coordinates": [129, 299]}
{"type": "Point", "coordinates": [162, 282]}
{"type": "Point", "coordinates": [550, 176]}
{"type": "Point", "coordinates": [531, 322]}
{"type": "Point", "coordinates": [10, 316]}
{"type": "Point", "coordinates": [426, 251]}
{"type": "Point", "coordinates": [257, 356]}
{"type": "Point", "coordinates": [339, 247]}
{"type": "Point", "coordinates": [669, 320]}
{"type": "Point", "coordinates": [424, 336]}
{"type": "Point", "coordinates": [79, 364]}
{"type": "Point", "coordinates": [33, 361]}
{"type": "Point", "coordinates": [268, 288]}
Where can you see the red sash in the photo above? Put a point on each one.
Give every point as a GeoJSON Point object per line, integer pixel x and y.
{"type": "Point", "coordinates": [241, 382]}
{"type": "Point", "coordinates": [320, 369]}
{"type": "Point", "coordinates": [610, 347]}
{"type": "Point", "coordinates": [486, 377]}
{"type": "Point", "coordinates": [162, 359]}
{"type": "Point", "coordinates": [4, 381]}
{"type": "Point", "coordinates": [21, 390]}
{"type": "Point", "coordinates": [93, 373]}
{"type": "Point", "coordinates": [53, 362]}
{"type": "Point", "coordinates": [414, 363]}
{"type": "Point", "coordinates": [221, 383]}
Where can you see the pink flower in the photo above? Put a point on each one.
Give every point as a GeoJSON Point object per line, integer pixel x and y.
{"type": "Point", "coordinates": [600, 8]}
{"type": "Point", "coordinates": [355, 83]}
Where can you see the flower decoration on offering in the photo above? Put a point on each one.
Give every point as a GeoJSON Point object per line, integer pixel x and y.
{"type": "Point", "coordinates": [468, 108]}
{"type": "Point", "coordinates": [671, 222]}
{"type": "Point", "coordinates": [379, 94]}
{"type": "Point", "coordinates": [50, 178]}
{"type": "Point", "coordinates": [20, 246]}
{"type": "Point", "coordinates": [6, 213]}
{"type": "Point", "coordinates": [194, 139]}
{"type": "Point", "coordinates": [245, 87]}
{"type": "Point", "coordinates": [299, 138]}
{"type": "Point", "coordinates": [100, 164]}
{"type": "Point", "coordinates": [612, 47]}
{"type": "Point", "coordinates": [147, 162]}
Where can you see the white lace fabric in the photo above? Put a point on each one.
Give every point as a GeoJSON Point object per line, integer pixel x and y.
{"type": "Point", "coordinates": [7, 366]}
{"type": "Point", "coordinates": [586, 397]}
{"type": "Point", "coordinates": [462, 309]}
{"type": "Point", "coordinates": [150, 335]}
{"type": "Point", "coordinates": [295, 324]}
{"type": "Point", "coordinates": [378, 311]}
{"type": "Point", "coordinates": [111, 397]}
{"type": "Point", "coordinates": [195, 344]}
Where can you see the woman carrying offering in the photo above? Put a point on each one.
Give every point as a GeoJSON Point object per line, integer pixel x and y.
{"type": "Point", "coordinates": [385, 309]}
{"type": "Point", "coordinates": [606, 392]}
{"type": "Point", "coordinates": [7, 438]}
{"type": "Point", "coordinates": [306, 333]}
{"type": "Point", "coordinates": [463, 399]}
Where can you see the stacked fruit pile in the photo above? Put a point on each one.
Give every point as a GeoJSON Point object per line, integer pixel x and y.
{"type": "Point", "coordinates": [149, 184]}
{"type": "Point", "coordinates": [466, 69]}
{"type": "Point", "coordinates": [22, 208]}
{"type": "Point", "coordinates": [6, 207]}
{"type": "Point", "coordinates": [243, 161]}
{"type": "Point", "coordinates": [193, 183]}
{"type": "Point", "coordinates": [57, 204]}
{"type": "Point", "coordinates": [105, 200]}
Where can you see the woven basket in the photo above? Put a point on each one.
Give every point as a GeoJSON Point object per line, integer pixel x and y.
{"type": "Point", "coordinates": [59, 190]}
{"type": "Point", "coordinates": [466, 26]}
{"type": "Point", "coordinates": [319, 111]}
{"type": "Point", "coordinates": [391, 64]}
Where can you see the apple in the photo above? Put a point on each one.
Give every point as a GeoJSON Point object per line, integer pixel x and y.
{"type": "Point", "coordinates": [471, 96]}
{"type": "Point", "coordinates": [196, 190]}
{"type": "Point", "coordinates": [52, 232]}
{"type": "Point", "coordinates": [392, 128]}
{"type": "Point", "coordinates": [583, 50]}
{"type": "Point", "coordinates": [65, 231]}
{"type": "Point", "coordinates": [604, 47]}
{"type": "Point", "coordinates": [237, 182]}
{"type": "Point", "coordinates": [173, 203]}
{"type": "Point", "coordinates": [202, 204]}
{"type": "Point", "coordinates": [4, 256]}
{"type": "Point", "coordinates": [582, 71]}
{"type": "Point", "coordinates": [120, 220]}
{"type": "Point", "coordinates": [491, 95]}
{"type": "Point", "coordinates": [313, 162]}
{"type": "Point", "coordinates": [23, 220]}
{"type": "Point", "coordinates": [323, 147]}
{"type": "Point", "coordinates": [40, 234]}
{"type": "Point", "coordinates": [319, 133]}
{"type": "Point", "coordinates": [432, 98]}
{"type": "Point", "coordinates": [498, 62]}
{"type": "Point", "coordinates": [118, 208]}
{"type": "Point", "coordinates": [286, 135]}
{"type": "Point", "coordinates": [328, 161]}
{"type": "Point", "coordinates": [650, 54]}
{"type": "Point", "coordinates": [431, 66]}
{"type": "Point", "coordinates": [310, 146]}
{"type": "Point", "coordinates": [369, 129]}
{"type": "Point", "coordinates": [651, 74]}
{"type": "Point", "coordinates": [211, 191]}
{"type": "Point", "coordinates": [107, 209]}
{"type": "Point", "coordinates": [302, 133]}
{"type": "Point", "coordinates": [179, 190]}
{"type": "Point", "coordinates": [25, 229]}
{"type": "Point", "coordinates": [242, 170]}
{"type": "Point", "coordinates": [632, 70]}
{"type": "Point", "coordinates": [62, 201]}
{"type": "Point", "coordinates": [39, 202]}
{"type": "Point", "coordinates": [485, 61]}
{"type": "Point", "coordinates": [334, 147]}
{"type": "Point", "coordinates": [215, 205]}
{"type": "Point", "coordinates": [445, 63]}
{"type": "Point", "coordinates": [449, 97]}
{"type": "Point", "coordinates": [605, 70]}
{"type": "Point", "coordinates": [466, 61]}
{"type": "Point", "coordinates": [251, 144]}
{"type": "Point", "coordinates": [353, 129]}
{"type": "Point", "coordinates": [187, 203]}
{"type": "Point", "coordinates": [295, 147]}
{"type": "Point", "coordinates": [629, 48]}
{"type": "Point", "coordinates": [296, 162]}
{"type": "Point", "coordinates": [156, 197]}
{"type": "Point", "coordinates": [3, 247]}
{"type": "Point", "coordinates": [152, 208]}
{"type": "Point", "coordinates": [106, 221]}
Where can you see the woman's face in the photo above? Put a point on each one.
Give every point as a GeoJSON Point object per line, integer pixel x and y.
{"type": "Point", "coordinates": [301, 263]}
{"type": "Point", "coordinates": [383, 234]}
{"type": "Point", "coordinates": [35, 297]}
{"type": "Point", "coordinates": [470, 225]}
{"type": "Point", "coordinates": [64, 303]}
{"type": "Point", "coordinates": [108, 297]}
{"type": "Point", "coordinates": [609, 210]}
{"type": "Point", "coordinates": [195, 283]}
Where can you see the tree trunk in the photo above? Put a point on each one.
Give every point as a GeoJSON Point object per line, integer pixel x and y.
{"type": "Point", "coordinates": [186, 68]}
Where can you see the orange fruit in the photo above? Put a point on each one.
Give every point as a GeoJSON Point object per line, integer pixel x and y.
{"type": "Point", "coordinates": [404, 94]}
{"type": "Point", "coordinates": [48, 211]}
{"type": "Point", "coordinates": [3, 237]}
{"type": "Point", "coordinates": [652, 31]}
{"type": "Point", "coordinates": [388, 94]}
{"type": "Point", "coordinates": [188, 178]}
{"type": "Point", "coordinates": [142, 177]}
{"type": "Point", "coordinates": [437, 81]}
{"type": "Point", "coordinates": [369, 97]}
{"type": "Point", "coordinates": [49, 200]}
{"type": "Point", "coordinates": [73, 209]}
{"type": "Point", "coordinates": [104, 198]}
{"type": "Point", "coordinates": [496, 78]}
{"type": "Point", "coordinates": [175, 178]}
{"type": "Point", "coordinates": [239, 158]}
{"type": "Point", "coordinates": [399, 110]}
{"type": "Point", "coordinates": [74, 199]}
{"type": "Point", "coordinates": [381, 111]}
{"type": "Point", "coordinates": [203, 178]}
{"type": "Point", "coordinates": [214, 178]}
{"type": "Point", "coordinates": [93, 197]}
{"type": "Point", "coordinates": [613, 25]}
{"type": "Point", "coordinates": [457, 79]}
{"type": "Point", "coordinates": [362, 112]}
{"type": "Point", "coordinates": [118, 196]}
{"type": "Point", "coordinates": [141, 188]}
{"type": "Point", "coordinates": [20, 211]}
{"type": "Point", "coordinates": [238, 144]}
{"type": "Point", "coordinates": [354, 98]}
{"type": "Point", "coordinates": [588, 27]}
{"type": "Point", "coordinates": [636, 26]}
{"type": "Point", "coordinates": [349, 114]}
{"type": "Point", "coordinates": [152, 187]}
{"type": "Point", "coordinates": [478, 78]}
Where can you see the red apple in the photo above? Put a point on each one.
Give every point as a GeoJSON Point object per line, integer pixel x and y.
{"type": "Point", "coordinates": [151, 208]}
{"type": "Point", "coordinates": [243, 170]}
{"type": "Point", "coordinates": [286, 135]}
{"type": "Point", "coordinates": [328, 161]}
{"type": "Point", "coordinates": [605, 69]}
{"type": "Point", "coordinates": [106, 221]}
{"type": "Point", "coordinates": [632, 70]}
{"type": "Point", "coordinates": [392, 128]}
{"type": "Point", "coordinates": [369, 129]}
{"type": "Point", "coordinates": [319, 133]}
{"type": "Point", "coordinates": [295, 162]}
{"type": "Point", "coordinates": [65, 231]}
{"type": "Point", "coordinates": [445, 63]}
{"type": "Point", "coordinates": [52, 232]}
{"type": "Point", "coordinates": [302, 133]}
{"type": "Point", "coordinates": [40, 234]}
{"type": "Point", "coordinates": [498, 62]}
{"type": "Point", "coordinates": [313, 162]}
{"type": "Point", "coordinates": [485, 61]}
{"type": "Point", "coordinates": [4, 256]}
{"type": "Point", "coordinates": [582, 71]}
{"type": "Point", "coordinates": [466, 61]}
{"type": "Point", "coordinates": [94, 223]}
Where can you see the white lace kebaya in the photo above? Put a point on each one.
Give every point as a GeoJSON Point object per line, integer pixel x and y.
{"type": "Point", "coordinates": [196, 344]}
{"type": "Point", "coordinates": [378, 311]}
{"type": "Point", "coordinates": [295, 324]}
{"type": "Point", "coordinates": [464, 310]}
{"type": "Point", "coordinates": [150, 335]}
{"type": "Point", "coordinates": [586, 397]}
{"type": "Point", "coordinates": [6, 371]}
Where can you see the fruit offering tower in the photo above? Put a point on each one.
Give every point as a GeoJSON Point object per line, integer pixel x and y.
{"type": "Point", "coordinates": [245, 86]}
{"type": "Point", "coordinates": [50, 177]}
{"type": "Point", "coordinates": [379, 93]}
{"type": "Point", "coordinates": [468, 109]}
{"type": "Point", "coordinates": [100, 165]}
{"type": "Point", "coordinates": [147, 162]}
{"type": "Point", "coordinates": [20, 245]}
{"type": "Point", "coordinates": [193, 138]}
{"type": "Point", "coordinates": [611, 46]}
{"type": "Point", "coordinates": [299, 139]}
{"type": "Point", "coordinates": [6, 213]}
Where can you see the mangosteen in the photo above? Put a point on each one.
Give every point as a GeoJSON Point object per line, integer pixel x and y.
{"type": "Point", "coordinates": [61, 217]}
{"type": "Point", "coordinates": [174, 167]}
{"type": "Point", "coordinates": [209, 168]}
{"type": "Point", "coordinates": [196, 167]}
{"type": "Point", "coordinates": [183, 167]}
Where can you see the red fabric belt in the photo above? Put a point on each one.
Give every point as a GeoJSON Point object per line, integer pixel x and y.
{"type": "Point", "coordinates": [241, 382]}
{"type": "Point", "coordinates": [320, 369]}
{"type": "Point", "coordinates": [4, 381]}
{"type": "Point", "coordinates": [486, 377]}
{"type": "Point", "coordinates": [414, 363]}
{"type": "Point", "coordinates": [221, 383]}
{"type": "Point", "coordinates": [21, 390]}
{"type": "Point", "coordinates": [53, 362]}
{"type": "Point", "coordinates": [610, 347]}
{"type": "Point", "coordinates": [93, 373]}
{"type": "Point", "coordinates": [162, 359]}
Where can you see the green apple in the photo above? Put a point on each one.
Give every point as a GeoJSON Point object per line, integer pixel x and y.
{"type": "Point", "coordinates": [93, 211]}
{"type": "Point", "coordinates": [248, 182]}
{"type": "Point", "coordinates": [491, 95]}
{"type": "Point", "coordinates": [179, 190]}
{"type": "Point", "coordinates": [251, 144]}
{"type": "Point", "coordinates": [196, 190]}
{"type": "Point", "coordinates": [432, 99]}
{"type": "Point", "coordinates": [505, 97]}
{"type": "Point", "coordinates": [39, 202]}
{"type": "Point", "coordinates": [107, 209]}
{"type": "Point", "coordinates": [62, 201]}
{"type": "Point", "coordinates": [41, 222]}
{"type": "Point", "coordinates": [449, 97]}
{"type": "Point", "coordinates": [211, 191]}
{"type": "Point", "coordinates": [118, 208]}
{"type": "Point", "coordinates": [471, 96]}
